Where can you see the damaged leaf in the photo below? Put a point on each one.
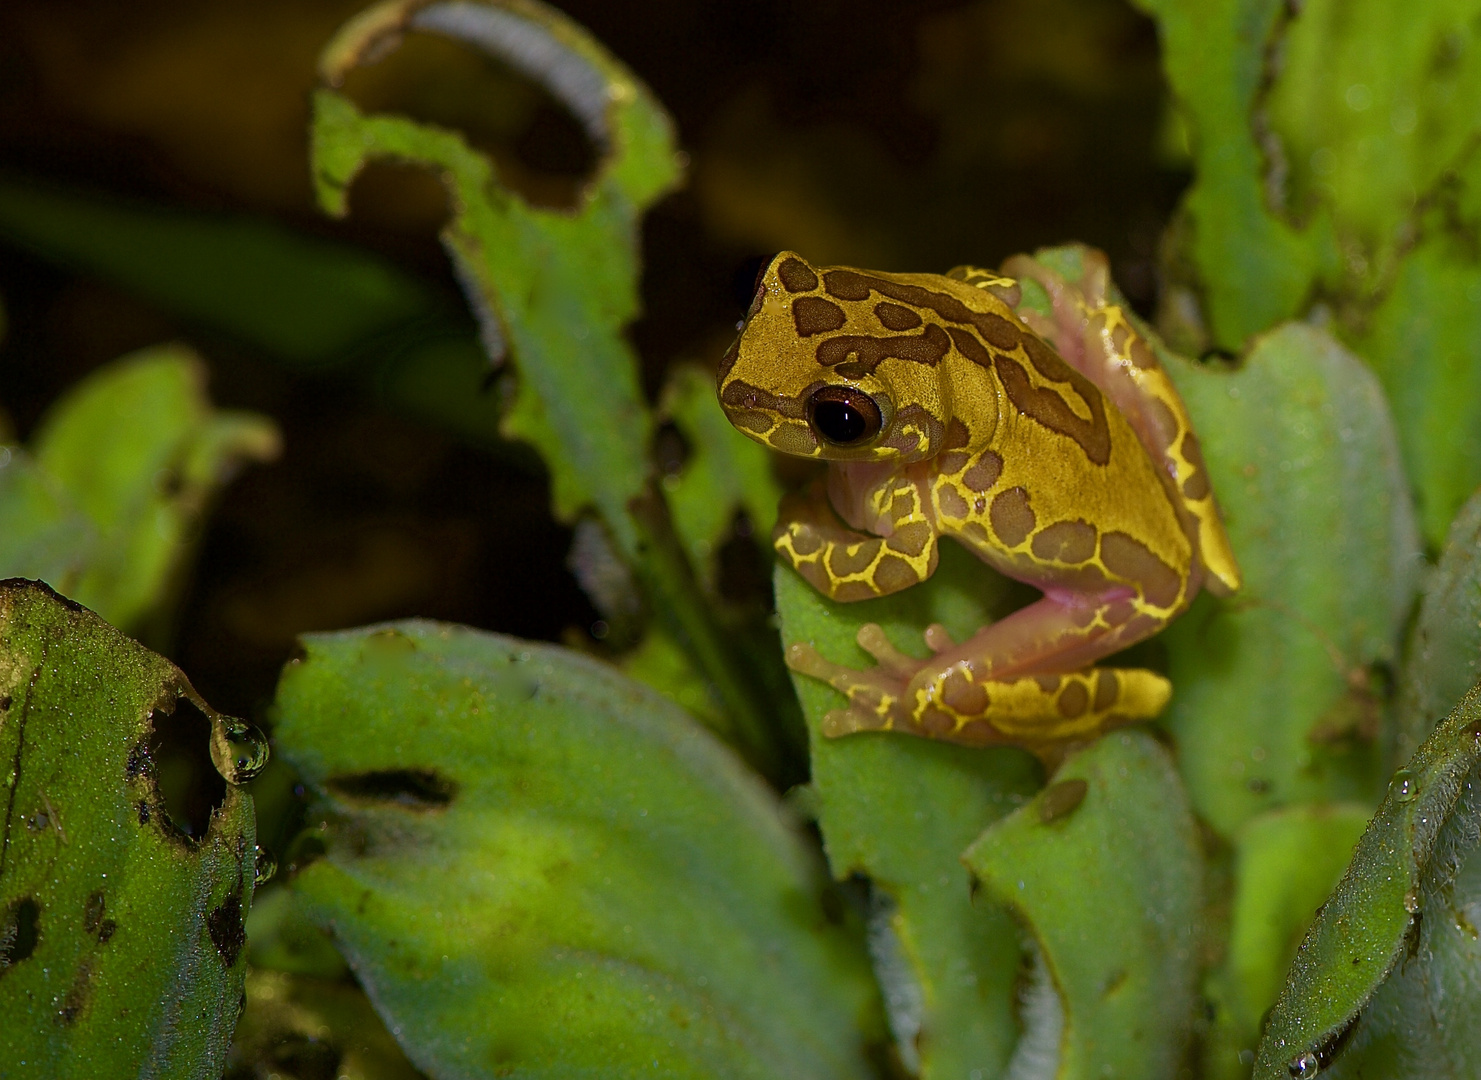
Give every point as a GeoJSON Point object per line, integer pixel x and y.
{"type": "Point", "coordinates": [535, 865]}
{"type": "Point", "coordinates": [121, 937]}
{"type": "Point", "coordinates": [1106, 877]}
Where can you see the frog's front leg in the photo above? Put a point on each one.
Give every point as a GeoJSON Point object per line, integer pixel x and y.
{"type": "Point", "coordinates": [845, 564]}
{"type": "Point", "coordinates": [1024, 680]}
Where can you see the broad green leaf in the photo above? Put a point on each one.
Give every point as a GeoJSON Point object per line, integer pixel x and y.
{"type": "Point", "coordinates": [1444, 658]}
{"type": "Point", "coordinates": [900, 810]}
{"type": "Point", "coordinates": [725, 471]}
{"type": "Point", "coordinates": [554, 288]}
{"type": "Point", "coordinates": [1252, 268]}
{"type": "Point", "coordinates": [1402, 913]}
{"type": "Point", "coordinates": [1104, 869]}
{"type": "Point", "coordinates": [121, 939]}
{"type": "Point", "coordinates": [1273, 702]}
{"type": "Point", "coordinates": [106, 503]}
{"type": "Point", "coordinates": [1286, 862]}
{"type": "Point", "coordinates": [536, 866]}
{"type": "Point", "coordinates": [304, 299]}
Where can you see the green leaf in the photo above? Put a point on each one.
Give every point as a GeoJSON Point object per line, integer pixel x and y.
{"type": "Point", "coordinates": [900, 810]}
{"type": "Point", "coordinates": [1252, 268]}
{"type": "Point", "coordinates": [1272, 700]}
{"type": "Point", "coordinates": [1402, 913]}
{"type": "Point", "coordinates": [536, 865]}
{"type": "Point", "coordinates": [725, 471]}
{"type": "Point", "coordinates": [1285, 863]}
{"type": "Point", "coordinates": [120, 937]}
{"type": "Point", "coordinates": [556, 288]}
{"type": "Point", "coordinates": [1444, 659]}
{"type": "Point", "coordinates": [1104, 869]}
{"type": "Point", "coordinates": [117, 480]}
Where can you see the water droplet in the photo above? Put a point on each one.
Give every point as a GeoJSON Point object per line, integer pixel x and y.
{"type": "Point", "coordinates": [1404, 786]}
{"type": "Point", "coordinates": [238, 749]}
{"type": "Point", "coordinates": [1303, 1066]}
{"type": "Point", "coordinates": [266, 865]}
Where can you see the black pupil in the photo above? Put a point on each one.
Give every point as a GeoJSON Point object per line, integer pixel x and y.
{"type": "Point", "coordinates": [839, 422]}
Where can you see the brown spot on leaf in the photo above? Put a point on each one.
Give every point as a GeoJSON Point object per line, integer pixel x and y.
{"type": "Point", "coordinates": [224, 924]}
{"type": "Point", "coordinates": [1061, 799]}
{"type": "Point", "coordinates": [92, 912]}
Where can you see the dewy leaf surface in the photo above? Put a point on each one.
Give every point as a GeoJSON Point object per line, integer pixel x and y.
{"type": "Point", "coordinates": [537, 867]}
{"type": "Point", "coordinates": [1108, 884]}
{"type": "Point", "coordinates": [1273, 699]}
{"type": "Point", "coordinates": [121, 939]}
{"type": "Point", "coordinates": [554, 289]}
{"type": "Point", "coordinates": [1384, 985]}
{"type": "Point", "coordinates": [116, 479]}
{"type": "Point", "coordinates": [900, 810]}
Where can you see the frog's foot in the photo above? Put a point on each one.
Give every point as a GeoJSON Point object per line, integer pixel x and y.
{"type": "Point", "coordinates": [1033, 711]}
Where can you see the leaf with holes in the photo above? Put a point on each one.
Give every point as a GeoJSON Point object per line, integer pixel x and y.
{"type": "Point", "coordinates": [121, 936]}
{"type": "Point", "coordinates": [106, 502]}
{"type": "Point", "coordinates": [553, 288]}
{"type": "Point", "coordinates": [1276, 698]}
{"type": "Point", "coordinates": [1104, 869]}
{"type": "Point", "coordinates": [899, 810]}
{"type": "Point", "coordinates": [1384, 986]}
{"type": "Point", "coordinates": [536, 865]}
{"type": "Point", "coordinates": [724, 473]}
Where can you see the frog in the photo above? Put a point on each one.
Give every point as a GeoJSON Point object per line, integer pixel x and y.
{"type": "Point", "coordinates": [1045, 438]}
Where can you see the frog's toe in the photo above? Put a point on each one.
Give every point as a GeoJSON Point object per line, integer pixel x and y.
{"type": "Point", "coordinates": [839, 722]}
{"type": "Point", "coordinates": [872, 640]}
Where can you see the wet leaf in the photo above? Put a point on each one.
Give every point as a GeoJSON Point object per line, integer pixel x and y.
{"type": "Point", "coordinates": [1383, 985]}
{"type": "Point", "coordinates": [554, 289]}
{"type": "Point", "coordinates": [1286, 862]}
{"type": "Point", "coordinates": [1275, 700]}
{"type": "Point", "coordinates": [120, 937]}
{"type": "Point", "coordinates": [536, 865]}
{"type": "Point", "coordinates": [106, 502]}
{"type": "Point", "coordinates": [1444, 659]}
{"type": "Point", "coordinates": [1110, 892]}
{"type": "Point", "coordinates": [724, 473]}
{"type": "Point", "coordinates": [900, 810]}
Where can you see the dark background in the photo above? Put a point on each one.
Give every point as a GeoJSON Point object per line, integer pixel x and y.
{"type": "Point", "coordinates": [898, 136]}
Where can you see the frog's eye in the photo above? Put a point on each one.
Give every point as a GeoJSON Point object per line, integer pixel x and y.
{"type": "Point", "coordinates": [843, 416]}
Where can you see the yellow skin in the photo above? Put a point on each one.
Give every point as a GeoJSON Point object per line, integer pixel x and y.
{"type": "Point", "coordinates": [1055, 448]}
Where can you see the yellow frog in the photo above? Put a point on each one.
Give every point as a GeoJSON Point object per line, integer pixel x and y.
{"type": "Point", "coordinates": [943, 411]}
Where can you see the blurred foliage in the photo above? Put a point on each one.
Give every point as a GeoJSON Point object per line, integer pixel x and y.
{"type": "Point", "coordinates": [106, 501]}
{"type": "Point", "coordinates": [1333, 151]}
{"type": "Point", "coordinates": [121, 938]}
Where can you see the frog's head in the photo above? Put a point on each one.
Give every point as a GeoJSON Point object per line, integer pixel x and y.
{"type": "Point", "coordinates": [841, 364]}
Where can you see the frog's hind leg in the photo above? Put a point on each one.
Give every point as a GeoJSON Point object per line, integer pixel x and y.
{"type": "Point", "coordinates": [1040, 712]}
